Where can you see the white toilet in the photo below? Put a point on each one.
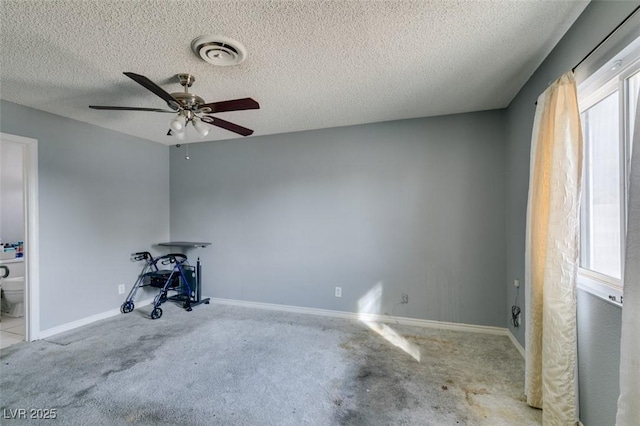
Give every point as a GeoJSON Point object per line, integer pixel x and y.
{"type": "Point", "coordinates": [13, 290]}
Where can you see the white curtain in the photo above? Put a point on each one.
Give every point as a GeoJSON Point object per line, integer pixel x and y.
{"type": "Point", "coordinates": [551, 253]}
{"type": "Point", "coordinates": [629, 400]}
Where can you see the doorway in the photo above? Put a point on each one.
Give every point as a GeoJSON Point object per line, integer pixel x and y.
{"type": "Point", "coordinates": [28, 148]}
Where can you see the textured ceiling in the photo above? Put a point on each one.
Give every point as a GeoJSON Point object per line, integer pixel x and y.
{"type": "Point", "coordinates": [310, 65]}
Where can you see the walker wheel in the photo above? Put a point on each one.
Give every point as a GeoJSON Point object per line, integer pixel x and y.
{"type": "Point", "coordinates": [156, 313]}
{"type": "Point", "coordinates": [126, 307]}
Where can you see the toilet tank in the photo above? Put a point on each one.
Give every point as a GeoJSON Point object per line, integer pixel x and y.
{"type": "Point", "coordinates": [16, 267]}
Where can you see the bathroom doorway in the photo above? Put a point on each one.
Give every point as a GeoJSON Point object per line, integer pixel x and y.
{"type": "Point", "coordinates": [19, 236]}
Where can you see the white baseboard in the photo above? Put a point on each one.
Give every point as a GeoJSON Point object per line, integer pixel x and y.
{"type": "Point", "coordinates": [367, 317]}
{"type": "Point", "coordinates": [441, 325]}
{"type": "Point", "coordinates": [515, 342]}
{"type": "Point", "coordinates": [84, 321]}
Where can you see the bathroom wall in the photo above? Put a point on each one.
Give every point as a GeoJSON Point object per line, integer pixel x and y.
{"type": "Point", "coordinates": [11, 192]}
{"type": "Point", "coordinates": [102, 195]}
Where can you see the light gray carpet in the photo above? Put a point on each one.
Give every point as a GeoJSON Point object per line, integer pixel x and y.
{"type": "Point", "coordinates": [226, 365]}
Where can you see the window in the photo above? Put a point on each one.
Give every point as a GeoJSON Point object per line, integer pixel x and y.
{"type": "Point", "coordinates": [607, 106]}
{"type": "Point", "coordinates": [601, 194]}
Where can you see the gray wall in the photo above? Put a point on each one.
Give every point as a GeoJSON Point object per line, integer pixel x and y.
{"type": "Point", "coordinates": [416, 205]}
{"type": "Point", "coordinates": [598, 19]}
{"type": "Point", "coordinates": [103, 195]}
{"type": "Point", "coordinates": [599, 364]}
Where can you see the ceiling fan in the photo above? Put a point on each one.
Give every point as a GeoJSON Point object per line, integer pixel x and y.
{"type": "Point", "coordinates": [189, 107]}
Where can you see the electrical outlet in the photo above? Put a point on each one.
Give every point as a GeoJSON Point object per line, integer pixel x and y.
{"type": "Point", "coordinates": [121, 289]}
{"type": "Point", "coordinates": [405, 298]}
{"type": "Point", "coordinates": [338, 291]}
{"type": "Point", "coordinates": [516, 283]}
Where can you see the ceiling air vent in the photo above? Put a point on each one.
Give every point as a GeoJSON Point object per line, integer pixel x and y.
{"type": "Point", "coordinates": [219, 50]}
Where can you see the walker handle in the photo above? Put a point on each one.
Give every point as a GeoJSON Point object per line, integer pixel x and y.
{"type": "Point", "coordinates": [142, 255]}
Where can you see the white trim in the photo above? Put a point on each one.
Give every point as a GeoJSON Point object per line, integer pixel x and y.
{"type": "Point", "coordinates": [471, 328]}
{"type": "Point", "coordinates": [600, 289]}
{"type": "Point", "coordinates": [32, 233]}
{"type": "Point", "coordinates": [515, 343]}
{"type": "Point", "coordinates": [587, 98]}
{"type": "Point", "coordinates": [611, 282]}
{"type": "Point", "coordinates": [368, 317]}
{"type": "Point", "coordinates": [86, 321]}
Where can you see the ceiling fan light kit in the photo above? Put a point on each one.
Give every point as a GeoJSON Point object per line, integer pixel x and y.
{"type": "Point", "coordinates": [200, 127]}
{"type": "Point", "coordinates": [178, 123]}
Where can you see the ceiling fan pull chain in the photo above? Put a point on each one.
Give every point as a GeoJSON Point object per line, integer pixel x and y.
{"type": "Point", "coordinates": [186, 157]}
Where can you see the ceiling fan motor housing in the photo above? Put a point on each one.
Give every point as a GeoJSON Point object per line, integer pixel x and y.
{"type": "Point", "coordinates": [188, 100]}
{"type": "Point", "coordinates": [219, 50]}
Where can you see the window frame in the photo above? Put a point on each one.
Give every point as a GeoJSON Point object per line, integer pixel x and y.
{"type": "Point", "coordinates": [598, 95]}
{"type": "Point", "coordinates": [612, 77]}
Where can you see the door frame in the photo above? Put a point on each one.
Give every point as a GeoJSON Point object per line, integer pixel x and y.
{"type": "Point", "coordinates": [32, 232]}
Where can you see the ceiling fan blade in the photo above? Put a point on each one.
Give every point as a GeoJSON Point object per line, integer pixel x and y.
{"type": "Point", "coordinates": [150, 85]}
{"type": "Point", "coordinates": [233, 105]}
{"type": "Point", "coordinates": [215, 121]}
{"type": "Point", "coordinates": [117, 108]}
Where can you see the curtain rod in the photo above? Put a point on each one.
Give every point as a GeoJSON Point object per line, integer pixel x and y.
{"type": "Point", "coordinates": [604, 40]}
